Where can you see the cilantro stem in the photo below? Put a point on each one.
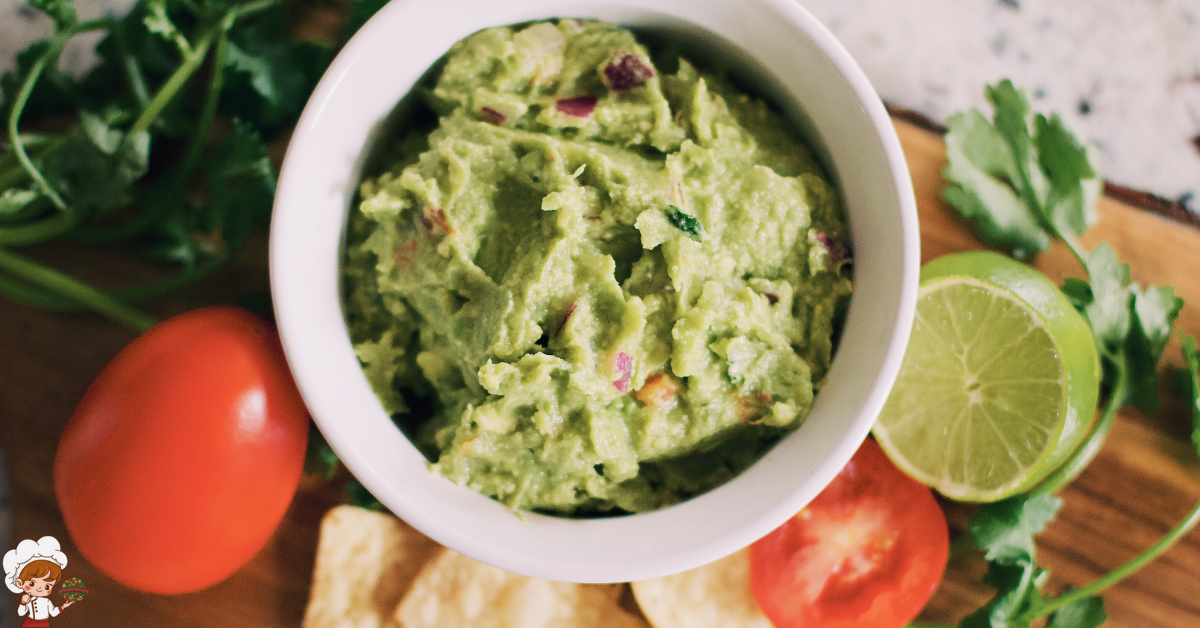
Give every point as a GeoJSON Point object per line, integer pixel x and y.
{"type": "Point", "coordinates": [1043, 216]}
{"type": "Point", "coordinates": [35, 296]}
{"type": "Point", "coordinates": [39, 297]}
{"type": "Point", "coordinates": [1029, 193]}
{"type": "Point", "coordinates": [181, 42]}
{"type": "Point", "coordinates": [1087, 451]}
{"type": "Point", "coordinates": [133, 70]}
{"type": "Point", "coordinates": [1124, 571]}
{"type": "Point", "coordinates": [199, 271]}
{"type": "Point", "coordinates": [18, 105]}
{"type": "Point", "coordinates": [15, 171]}
{"type": "Point", "coordinates": [39, 231]}
{"type": "Point", "coordinates": [193, 57]}
{"type": "Point", "coordinates": [14, 116]}
{"type": "Point", "coordinates": [33, 140]}
{"type": "Point", "coordinates": [13, 176]}
{"type": "Point", "coordinates": [199, 136]}
{"type": "Point", "coordinates": [113, 233]}
{"type": "Point", "coordinates": [1074, 248]}
{"type": "Point", "coordinates": [45, 276]}
{"type": "Point", "coordinates": [250, 8]}
{"type": "Point", "coordinates": [191, 62]}
{"type": "Point", "coordinates": [191, 159]}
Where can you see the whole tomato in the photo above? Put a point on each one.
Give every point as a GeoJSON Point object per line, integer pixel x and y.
{"type": "Point", "coordinates": [183, 455]}
{"type": "Point", "coordinates": [868, 552]}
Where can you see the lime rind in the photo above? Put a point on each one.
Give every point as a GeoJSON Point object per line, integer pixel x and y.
{"type": "Point", "coordinates": [981, 401]}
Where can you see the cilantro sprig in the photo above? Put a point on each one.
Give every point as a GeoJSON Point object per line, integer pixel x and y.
{"type": "Point", "coordinates": [1026, 181]}
{"type": "Point", "coordinates": [164, 150]}
{"type": "Point", "coordinates": [1021, 186]}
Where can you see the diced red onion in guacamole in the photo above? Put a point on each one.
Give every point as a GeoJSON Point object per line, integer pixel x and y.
{"type": "Point", "coordinates": [626, 72]}
{"type": "Point", "coordinates": [492, 116]}
{"type": "Point", "coordinates": [623, 366]}
{"type": "Point", "coordinates": [579, 106]}
{"type": "Point", "coordinates": [837, 250]}
{"type": "Point", "coordinates": [566, 317]}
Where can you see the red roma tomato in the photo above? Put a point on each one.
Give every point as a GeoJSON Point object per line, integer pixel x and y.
{"type": "Point", "coordinates": [868, 552]}
{"type": "Point", "coordinates": [183, 455]}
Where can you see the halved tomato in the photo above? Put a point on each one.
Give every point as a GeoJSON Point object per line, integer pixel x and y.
{"type": "Point", "coordinates": [868, 552]}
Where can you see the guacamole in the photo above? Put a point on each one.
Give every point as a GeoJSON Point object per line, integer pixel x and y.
{"type": "Point", "coordinates": [595, 285]}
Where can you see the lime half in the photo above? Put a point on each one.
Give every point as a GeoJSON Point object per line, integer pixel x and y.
{"type": "Point", "coordinates": [998, 384]}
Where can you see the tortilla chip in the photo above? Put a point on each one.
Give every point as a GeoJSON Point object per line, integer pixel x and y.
{"type": "Point", "coordinates": [454, 591]}
{"type": "Point", "coordinates": [366, 561]}
{"type": "Point", "coordinates": [716, 595]}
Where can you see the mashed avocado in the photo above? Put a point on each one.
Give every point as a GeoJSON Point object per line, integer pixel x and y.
{"type": "Point", "coordinates": [597, 287]}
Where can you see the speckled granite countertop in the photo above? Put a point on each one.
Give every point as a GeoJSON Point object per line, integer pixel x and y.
{"type": "Point", "coordinates": [1125, 73]}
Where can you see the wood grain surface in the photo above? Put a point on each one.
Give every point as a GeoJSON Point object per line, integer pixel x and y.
{"type": "Point", "coordinates": [1144, 481]}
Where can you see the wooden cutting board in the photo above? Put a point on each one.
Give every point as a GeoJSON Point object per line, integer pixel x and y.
{"type": "Point", "coordinates": [1144, 481]}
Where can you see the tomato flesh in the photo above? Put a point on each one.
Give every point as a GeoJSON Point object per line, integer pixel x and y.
{"type": "Point", "coordinates": [183, 455]}
{"type": "Point", "coordinates": [868, 552]}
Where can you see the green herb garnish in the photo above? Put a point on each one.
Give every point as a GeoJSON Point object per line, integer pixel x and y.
{"type": "Point", "coordinates": [1021, 188]}
{"type": "Point", "coordinates": [1025, 181]}
{"type": "Point", "coordinates": [686, 223]}
{"type": "Point", "coordinates": [165, 153]}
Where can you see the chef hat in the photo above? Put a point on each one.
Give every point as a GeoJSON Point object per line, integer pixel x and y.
{"type": "Point", "coordinates": [45, 548]}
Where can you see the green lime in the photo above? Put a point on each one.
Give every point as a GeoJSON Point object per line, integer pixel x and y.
{"type": "Point", "coordinates": [998, 384]}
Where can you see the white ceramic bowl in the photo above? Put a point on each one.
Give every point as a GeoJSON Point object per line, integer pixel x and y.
{"type": "Point", "coordinates": [776, 46]}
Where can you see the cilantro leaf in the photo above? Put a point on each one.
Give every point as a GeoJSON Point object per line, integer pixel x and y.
{"type": "Point", "coordinates": [241, 187]}
{"type": "Point", "coordinates": [1085, 613]}
{"type": "Point", "coordinates": [360, 12]}
{"type": "Point", "coordinates": [157, 21]}
{"type": "Point", "coordinates": [1068, 165]}
{"type": "Point", "coordinates": [358, 495]}
{"type": "Point", "coordinates": [96, 168]}
{"type": "Point", "coordinates": [319, 458]}
{"type": "Point", "coordinates": [171, 238]}
{"type": "Point", "coordinates": [61, 11]}
{"type": "Point", "coordinates": [1154, 314]}
{"type": "Point", "coordinates": [1131, 325]}
{"type": "Point", "coordinates": [1019, 187]}
{"type": "Point", "coordinates": [1107, 305]}
{"type": "Point", "coordinates": [242, 183]}
{"type": "Point", "coordinates": [265, 75]}
{"type": "Point", "coordinates": [133, 61]}
{"type": "Point", "coordinates": [1190, 384]}
{"type": "Point", "coordinates": [14, 200]}
{"type": "Point", "coordinates": [1011, 120]}
{"type": "Point", "coordinates": [979, 167]}
{"type": "Point", "coordinates": [1004, 530]}
{"type": "Point", "coordinates": [1018, 590]}
{"type": "Point", "coordinates": [268, 75]}
{"type": "Point", "coordinates": [54, 93]}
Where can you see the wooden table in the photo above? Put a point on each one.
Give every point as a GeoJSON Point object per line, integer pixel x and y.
{"type": "Point", "coordinates": [1143, 482]}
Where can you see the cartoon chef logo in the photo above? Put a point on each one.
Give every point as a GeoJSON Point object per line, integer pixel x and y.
{"type": "Point", "coordinates": [32, 570]}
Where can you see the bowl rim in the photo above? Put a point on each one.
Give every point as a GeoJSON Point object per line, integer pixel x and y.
{"type": "Point", "coordinates": [619, 548]}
